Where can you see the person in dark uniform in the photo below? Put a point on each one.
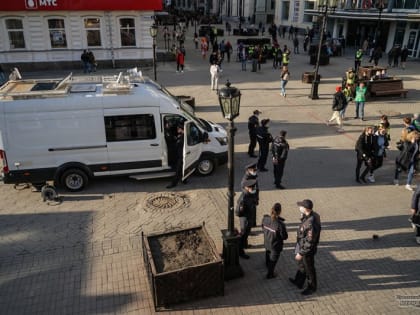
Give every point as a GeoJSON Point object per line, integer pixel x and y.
{"type": "Point", "coordinates": [252, 173]}
{"type": "Point", "coordinates": [179, 148]}
{"type": "Point", "coordinates": [253, 124]}
{"type": "Point", "coordinates": [279, 150]}
{"type": "Point", "coordinates": [308, 235]}
{"type": "Point", "coordinates": [170, 139]}
{"type": "Point", "coordinates": [245, 206]}
{"type": "Point", "coordinates": [264, 139]}
{"type": "Point", "coordinates": [274, 234]}
{"type": "Point", "coordinates": [364, 150]}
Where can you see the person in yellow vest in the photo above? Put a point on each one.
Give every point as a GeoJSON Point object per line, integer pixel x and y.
{"type": "Point", "coordinates": [351, 80]}
{"type": "Point", "coordinates": [358, 59]}
{"type": "Point", "coordinates": [285, 56]}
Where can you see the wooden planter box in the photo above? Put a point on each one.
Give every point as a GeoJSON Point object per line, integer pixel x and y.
{"type": "Point", "coordinates": [308, 77]}
{"type": "Point", "coordinates": [186, 283]}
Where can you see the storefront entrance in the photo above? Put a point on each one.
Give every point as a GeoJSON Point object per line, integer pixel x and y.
{"type": "Point", "coordinates": [413, 43]}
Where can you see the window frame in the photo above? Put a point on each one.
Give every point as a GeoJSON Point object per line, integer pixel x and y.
{"type": "Point", "coordinates": [15, 30]}
{"type": "Point", "coordinates": [93, 29]}
{"type": "Point", "coordinates": [129, 30]}
{"type": "Point", "coordinates": [62, 30]}
{"type": "Point", "coordinates": [129, 125]}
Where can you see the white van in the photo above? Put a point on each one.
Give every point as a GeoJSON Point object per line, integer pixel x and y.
{"type": "Point", "coordinates": [74, 129]}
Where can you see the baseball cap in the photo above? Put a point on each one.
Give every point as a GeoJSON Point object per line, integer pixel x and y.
{"type": "Point", "coordinates": [252, 165]}
{"type": "Point", "coordinates": [306, 203]}
{"type": "Point", "coordinates": [256, 112]}
{"type": "Point", "coordinates": [338, 88]}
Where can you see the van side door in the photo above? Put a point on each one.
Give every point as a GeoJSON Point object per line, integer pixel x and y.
{"type": "Point", "coordinates": [193, 147]}
{"type": "Point", "coordinates": [134, 139]}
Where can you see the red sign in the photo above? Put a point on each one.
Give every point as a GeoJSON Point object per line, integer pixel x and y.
{"type": "Point", "coordinates": [80, 5]}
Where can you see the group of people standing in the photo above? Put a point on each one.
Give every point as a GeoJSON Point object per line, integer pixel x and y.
{"type": "Point", "coordinates": [88, 61]}
{"type": "Point", "coordinates": [275, 232]}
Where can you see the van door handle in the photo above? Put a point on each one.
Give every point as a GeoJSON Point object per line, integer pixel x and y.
{"type": "Point", "coordinates": [154, 144]}
{"type": "Point", "coordinates": [189, 152]}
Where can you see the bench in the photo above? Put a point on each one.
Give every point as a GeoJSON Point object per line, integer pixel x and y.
{"type": "Point", "coordinates": [386, 87]}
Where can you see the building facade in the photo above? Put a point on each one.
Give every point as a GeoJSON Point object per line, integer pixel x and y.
{"type": "Point", "coordinates": [381, 22]}
{"type": "Point", "coordinates": [52, 34]}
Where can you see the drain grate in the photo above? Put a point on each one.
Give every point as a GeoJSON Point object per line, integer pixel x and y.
{"type": "Point", "coordinates": [166, 201]}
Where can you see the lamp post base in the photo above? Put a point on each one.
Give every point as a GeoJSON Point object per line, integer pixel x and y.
{"type": "Point", "coordinates": [231, 256]}
{"type": "Point", "coordinates": [314, 89]}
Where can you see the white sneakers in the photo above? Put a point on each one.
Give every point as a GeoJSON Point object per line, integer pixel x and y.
{"type": "Point", "coordinates": [371, 178]}
{"type": "Point", "coordinates": [408, 187]}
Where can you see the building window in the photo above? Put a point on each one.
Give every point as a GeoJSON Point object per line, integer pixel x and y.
{"type": "Point", "coordinates": [57, 33]}
{"type": "Point", "coordinates": [309, 5]}
{"type": "Point", "coordinates": [15, 31]}
{"type": "Point", "coordinates": [285, 10]}
{"type": "Point", "coordinates": [93, 32]}
{"type": "Point", "coordinates": [129, 128]}
{"type": "Point", "coordinates": [127, 32]}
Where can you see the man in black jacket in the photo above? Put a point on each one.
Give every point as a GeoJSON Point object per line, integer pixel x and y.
{"type": "Point", "coordinates": [279, 150]}
{"type": "Point", "coordinates": [364, 153]}
{"type": "Point", "coordinates": [252, 173]}
{"type": "Point", "coordinates": [253, 124]}
{"type": "Point", "coordinates": [246, 205]}
{"type": "Point", "coordinates": [339, 103]}
{"type": "Point", "coordinates": [308, 235]}
{"type": "Point", "coordinates": [264, 139]}
{"type": "Point", "coordinates": [274, 234]}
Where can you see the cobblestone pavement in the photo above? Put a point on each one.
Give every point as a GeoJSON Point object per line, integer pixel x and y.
{"type": "Point", "coordinates": [84, 256]}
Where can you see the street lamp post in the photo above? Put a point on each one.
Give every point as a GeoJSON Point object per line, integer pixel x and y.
{"type": "Point", "coordinates": [380, 6]}
{"type": "Point", "coordinates": [153, 33]}
{"type": "Point", "coordinates": [324, 7]}
{"type": "Point", "coordinates": [229, 100]}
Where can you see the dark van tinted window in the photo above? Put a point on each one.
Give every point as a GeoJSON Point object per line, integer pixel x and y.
{"type": "Point", "coordinates": [127, 128]}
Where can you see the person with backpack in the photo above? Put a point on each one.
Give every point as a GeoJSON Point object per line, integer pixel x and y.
{"type": "Point", "coordinates": [339, 103]}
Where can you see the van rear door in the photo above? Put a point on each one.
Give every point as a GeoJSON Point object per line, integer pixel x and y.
{"type": "Point", "coordinates": [193, 143]}
{"type": "Point", "coordinates": [134, 139]}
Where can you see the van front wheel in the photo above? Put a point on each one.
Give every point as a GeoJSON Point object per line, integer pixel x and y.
{"type": "Point", "coordinates": [206, 166]}
{"type": "Point", "coordinates": [74, 179]}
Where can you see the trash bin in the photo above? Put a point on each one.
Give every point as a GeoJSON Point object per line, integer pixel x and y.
{"type": "Point", "coordinates": [308, 77]}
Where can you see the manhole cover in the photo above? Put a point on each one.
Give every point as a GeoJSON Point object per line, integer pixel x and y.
{"type": "Point", "coordinates": [166, 201]}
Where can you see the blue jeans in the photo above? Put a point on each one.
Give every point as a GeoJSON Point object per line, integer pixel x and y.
{"type": "Point", "coordinates": [410, 173]}
{"type": "Point", "coordinates": [360, 109]}
{"type": "Point", "coordinates": [283, 86]}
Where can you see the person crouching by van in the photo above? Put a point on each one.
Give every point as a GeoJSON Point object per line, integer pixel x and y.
{"type": "Point", "coordinates": [274, 234]}
{"type": "Point", "coordinates": [179, 147]}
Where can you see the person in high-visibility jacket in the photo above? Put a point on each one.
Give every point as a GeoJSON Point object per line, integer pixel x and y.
{"type": "Point", "coordinates": [358, 59]}
{"type": "Point", "coordinates": [285, 56]}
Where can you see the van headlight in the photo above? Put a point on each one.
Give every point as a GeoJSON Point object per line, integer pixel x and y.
{"type": "Point", "coordinates": [222, 140]}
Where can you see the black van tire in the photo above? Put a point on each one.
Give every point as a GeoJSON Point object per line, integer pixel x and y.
{"type": "Point", "coordinates": [74, 179]}
{"type": "Point", "coordinates": [206, 166]}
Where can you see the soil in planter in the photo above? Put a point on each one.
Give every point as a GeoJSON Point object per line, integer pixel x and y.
{"type": "Point", "coordinates": [180, 250]}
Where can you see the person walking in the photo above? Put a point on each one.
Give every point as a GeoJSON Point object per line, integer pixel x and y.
{"type": "Point", "coordinates": [364, 153]}
{"type": "Point", "coordinates": [180, 59]}
{"type": "Point", "coordinates": [264, 139]}
{"type": "Point", "coordinates": [359, 100]}
{"type": "Point", "coordinates": [253, 125]}
{"type": "Point", "coordinates": [284, 78]}
{"type": "Point", "coordinates": [380, 144]}
{"type": "Point", "coordinates": [214, 76]}
{"type": "Point", "coordinates": [245, 206]}
{"type": "Point", "coordinates": [308, 235]}
{"type": "Point", "coordinates": [275, 233]}
{"type": "Point", "coordinates": [404, 56]}
{"type": "Point", "coordinates": [415, 211]}
{"type": "Point", "coordinates": [179, 149]}
{"type": "Point", "coordinates": [408, 159]}
{"type": "Point", "coordinates": [279, 150]}
{"type": "Point", "coordinates": [85, 60]}
{"type": "Point", "coordinates": [295, 45]}
{"type": "Point", "coordinates": [339, 104]}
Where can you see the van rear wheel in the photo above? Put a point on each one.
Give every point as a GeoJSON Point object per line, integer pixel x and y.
{"type": "Point", "coordinates": [74, 179]}
{"type": "Point", "coordinates": [206, 166]}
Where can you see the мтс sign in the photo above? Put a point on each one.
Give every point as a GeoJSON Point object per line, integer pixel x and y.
{"type": "Point", "coordinates": [34, 4]}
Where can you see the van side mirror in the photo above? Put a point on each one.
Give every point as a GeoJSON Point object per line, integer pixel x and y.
{"type": "Point", "coordinates": [205, 137]}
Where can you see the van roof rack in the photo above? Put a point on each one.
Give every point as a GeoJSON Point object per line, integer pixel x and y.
{"type": "Point", "coordinates": [44, 88]}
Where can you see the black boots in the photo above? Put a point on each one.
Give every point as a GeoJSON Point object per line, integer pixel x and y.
{"type": "Point", "coordinates": [299, 279]}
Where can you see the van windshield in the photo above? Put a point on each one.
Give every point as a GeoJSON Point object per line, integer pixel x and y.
{"type": "Point", "coordinates": [185, 108]}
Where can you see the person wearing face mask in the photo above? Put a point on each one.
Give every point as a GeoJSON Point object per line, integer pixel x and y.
{"type": "Point", "coordinates": [245, 206]}
{"type": "Point", "coordinates": [251, 173]}
{"type": "Point", "coordinates": [279, 150]}
{"type": "Point", "coordinates": [308, 234]}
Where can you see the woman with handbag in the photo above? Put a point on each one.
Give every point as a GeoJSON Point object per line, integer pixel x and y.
{"type": "Point", "coordinates": [415, 213]}
{"type": "Point", "coordinates": [408, 158]}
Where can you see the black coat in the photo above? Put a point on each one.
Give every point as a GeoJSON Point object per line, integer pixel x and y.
{"type": "Point", "coordinates": [339, 101]}
{"type": "Point", "coordinates": [308, 234]}
{"type": "Point", "coordinates": [246, 205]}
{"type": "Point", "coordinates": [264, 138]}
{"type": "Point", "coordinates": [365, 145]}
{"type": "Point", "coordinates": [253, 124]}
{"type": "Point", "coordinates": [274, 233]}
